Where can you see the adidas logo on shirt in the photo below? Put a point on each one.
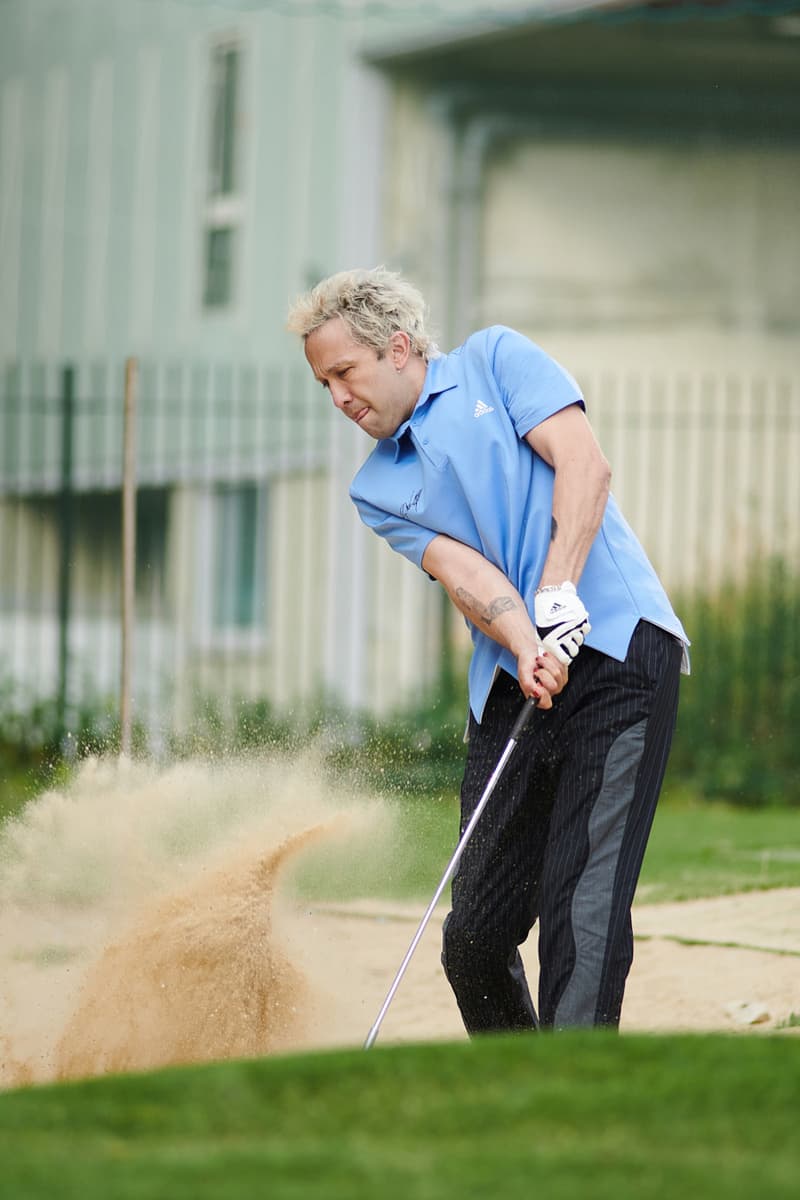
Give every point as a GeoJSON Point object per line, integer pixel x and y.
{"type": "Point", "coordinates": [482, 409]}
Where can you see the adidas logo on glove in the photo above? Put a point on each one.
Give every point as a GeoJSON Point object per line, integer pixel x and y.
{"type": "Point", "coordinates": [561, 620]}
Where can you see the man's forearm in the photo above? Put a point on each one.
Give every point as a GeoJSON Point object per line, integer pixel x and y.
{"type": "Point", "coordinates": [580, 493]}
{"type": "Point", "coordinates": [482, 593]}
{"type": "Point", "coordinates": [486, 597]}
{"type": "Point", "coordinates": [578, 506]}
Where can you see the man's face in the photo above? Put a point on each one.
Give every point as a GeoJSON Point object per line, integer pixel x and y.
{"type": "Point", "coordinates": [379, 394]}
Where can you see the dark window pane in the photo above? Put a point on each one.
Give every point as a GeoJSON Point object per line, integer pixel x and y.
{"type": "Point", "coordinates": [224, 97]}
{"type": "Point", "coordinates": [218, 288]}
{"type": "Point", "coordinates": [239, 594]}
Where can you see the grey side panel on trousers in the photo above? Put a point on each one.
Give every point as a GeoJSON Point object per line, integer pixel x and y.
{"type": "Point", "coordinates": [593, 900]}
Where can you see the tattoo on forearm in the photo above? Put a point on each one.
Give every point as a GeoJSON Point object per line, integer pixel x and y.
{"type": "Point", "coordinates": [485, 612]}
{"type": "Point", "coordinates": [553, 529]}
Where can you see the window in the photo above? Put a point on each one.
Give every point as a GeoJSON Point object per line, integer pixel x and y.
{"type": "Point", "coordinates": [152, 515]}
{"type": "Point", "coordinates": [218, 290]}
{"type": "Point", "coordinates": [239, 533]}
{"type": "Point", "coordinates": [223, 209]}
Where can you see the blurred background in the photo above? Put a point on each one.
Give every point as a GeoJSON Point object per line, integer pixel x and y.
{"type": "Point", "coordinates": [617, 179]}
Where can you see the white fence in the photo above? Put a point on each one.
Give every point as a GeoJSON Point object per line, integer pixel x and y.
{"type": "Point", "coordinates": [255, 579]}
{"type": "Point", "coordinates": [706, 468]}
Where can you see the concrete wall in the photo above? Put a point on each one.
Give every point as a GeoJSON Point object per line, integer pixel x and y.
{"type": "Point", "coordinates": [663, 271]}
{"type": "Point", "coordinates": [623, 254]}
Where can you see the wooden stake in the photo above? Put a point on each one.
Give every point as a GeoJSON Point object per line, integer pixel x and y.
{"type": "Point", "coordinates": [128, 551]}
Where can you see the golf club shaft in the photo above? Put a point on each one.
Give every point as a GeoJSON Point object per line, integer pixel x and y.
{"type": "Point", "coordinates": [519, 725]}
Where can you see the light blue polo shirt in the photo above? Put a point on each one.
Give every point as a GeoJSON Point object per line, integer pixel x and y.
{"type": "Point", "coordinates": [459, 466]}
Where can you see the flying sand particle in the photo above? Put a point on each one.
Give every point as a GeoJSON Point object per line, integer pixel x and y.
{"type": "Point", "coordinates": [144, 918]}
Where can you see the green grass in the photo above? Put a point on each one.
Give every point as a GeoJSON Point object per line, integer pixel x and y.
{"type": "Point", "coordinates": [17, 787]}
{"type": "Point", "coordinates": [406, 863]}
{"type": "Point", "coordinates": [695, 849]}
{"type": "Point", "coordinates": [572, 1116]}
{"type": "Point", "coordinates": [699, 849]}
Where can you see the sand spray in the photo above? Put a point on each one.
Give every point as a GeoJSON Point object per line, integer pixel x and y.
{"type": "Point", "coordinates": [146, 916]}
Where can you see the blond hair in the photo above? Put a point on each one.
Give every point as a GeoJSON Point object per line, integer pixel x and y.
{"type": "Point", "coordinates": [373, 304]}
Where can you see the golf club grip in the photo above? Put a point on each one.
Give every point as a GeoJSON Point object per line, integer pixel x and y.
{"type": "Point", "coordinates": [525, 714]}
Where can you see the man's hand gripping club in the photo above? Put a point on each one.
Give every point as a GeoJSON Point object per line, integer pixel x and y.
{"type": "Point", "coordinates": [540, 674]}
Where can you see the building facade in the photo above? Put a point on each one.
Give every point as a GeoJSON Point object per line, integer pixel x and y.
{"type": "Point", "coordinates": [617, 180]}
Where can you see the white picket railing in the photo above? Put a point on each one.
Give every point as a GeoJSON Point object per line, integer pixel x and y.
{"type": "Point", "coordinates": [255, 579]}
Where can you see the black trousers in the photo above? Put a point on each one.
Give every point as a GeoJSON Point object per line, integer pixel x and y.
{"type": "Point", "coordinates": [561, 840]}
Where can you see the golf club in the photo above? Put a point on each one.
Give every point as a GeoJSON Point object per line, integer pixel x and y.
{"type": "Point", "coordinates": [516, 733]}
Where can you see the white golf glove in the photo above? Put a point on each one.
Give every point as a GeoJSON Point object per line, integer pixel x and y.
{"type": "Point", "coordinates": [561, 621]}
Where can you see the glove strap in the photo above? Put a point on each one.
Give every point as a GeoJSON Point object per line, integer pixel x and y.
{"type": "Point", "coordinates": [566, 586]}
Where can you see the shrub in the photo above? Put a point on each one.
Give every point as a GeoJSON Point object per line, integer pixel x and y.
{"type": "Point", "coordinates": [737, 736]}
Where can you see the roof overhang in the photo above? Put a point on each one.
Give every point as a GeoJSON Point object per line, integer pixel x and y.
{"type": "Point", "coordinates": [746, 44]}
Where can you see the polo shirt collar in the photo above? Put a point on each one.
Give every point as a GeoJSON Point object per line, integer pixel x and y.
{"type": "Point", "coordinates": [440, 377]}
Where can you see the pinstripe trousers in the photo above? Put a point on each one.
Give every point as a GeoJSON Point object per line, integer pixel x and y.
{"type": "Point", "coordinates": [561, 841]}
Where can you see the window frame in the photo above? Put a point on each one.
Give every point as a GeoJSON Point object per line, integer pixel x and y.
{"type": "Point", "coordinates": [213, 538]}
{"type": "Point", "coordinates": [223, 210]}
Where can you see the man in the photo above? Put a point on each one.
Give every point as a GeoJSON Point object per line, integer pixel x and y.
{"type": "Point", "coordinates": [486, 474]}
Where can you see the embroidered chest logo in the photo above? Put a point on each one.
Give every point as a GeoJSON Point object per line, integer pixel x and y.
{"type": "Point", "coordinates": [410, 505]}
{"type": "Point", "coordinates": [482, 409]}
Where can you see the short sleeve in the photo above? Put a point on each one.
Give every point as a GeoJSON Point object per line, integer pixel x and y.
{"type": "Point", "coordinates": [533, 385]}
{"type": "Point", "coordinates": [406, 537]}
